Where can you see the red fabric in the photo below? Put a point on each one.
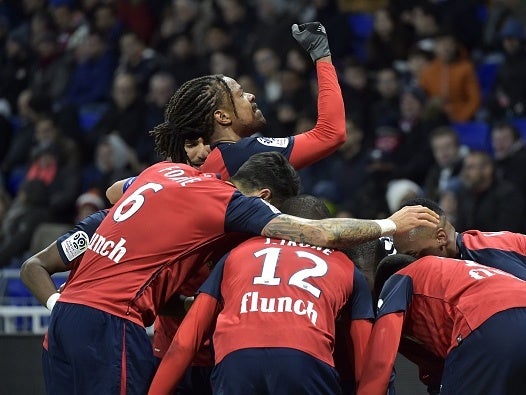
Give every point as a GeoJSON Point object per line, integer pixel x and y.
{"type": "Point", "coordinates": [137, 17]}
{"type": "Point", "coordinates": [446, 301]}
{"type": "Point", "coordinates": [300, 319]}
{"type": "Point", "coordinates": [45, 174]}
{"type": "Point", "coordinates": [329, 132]}
{"type": "Point", "coordinates": [360, 332]}
{"type": "Point", "coordinates": [381, 355]}
{"type": "Point", "coordinates": [194, 329]}
{"type": "Point", "coordinates": [506, 241]}
{"type": "Point", "coordinates": [153, 263]}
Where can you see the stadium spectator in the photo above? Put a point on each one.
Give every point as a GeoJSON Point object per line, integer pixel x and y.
{"type": "Point", "coordinates": [486, 202]}
{"type": "Point", "coordinates": [18, 153]}
{"type": "Point", "coordinates": [448, 156]}
{"type": "Point", "coordinates": [114, 160]}
{"type": "Point", "coordinates": [125, 114]}
{"type": "Point", "coordinates": [138, 60]}
{"type": "Point", "coordinates": [72, 27]}
{"type": "Point", "coordinates": [51, 71]}
{"type": "Point", "coordinates": [508, 97]}
{"type": "Point", "coordinates": [388, 42]}
{"type": "Point", "coordinates": [450, 80]}
{"type": "Point", "coordinates": [357, 96]}
{"type": "Point", "coordinates": [27, 211]}
{"type": "Point", "coordinates": [16, 67]}
{"type": "Point", "coordinates": [510, 155]}
{"type": "Point", "coordinates": [92, 73]}
{"type": "Point", "coordinates": [385, 108]}
{"type": "Point", "coordinates": [107, 24]}
{"type": "Point", "coordinates": [413, 157]}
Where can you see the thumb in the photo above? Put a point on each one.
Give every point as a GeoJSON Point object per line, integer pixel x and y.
{"type": "Point", "coordinates": [295, 29]}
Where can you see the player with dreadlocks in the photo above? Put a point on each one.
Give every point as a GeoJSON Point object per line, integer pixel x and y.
{"type": "Point", "coordinates": [216, 108]}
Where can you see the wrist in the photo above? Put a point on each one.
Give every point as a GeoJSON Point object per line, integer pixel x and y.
{"type": "Point", "coordinates": [325, 59]}
{"type": "Point", "coordinates": [387, 226]}
{"type": "Point", "coordinates": [50, 303]}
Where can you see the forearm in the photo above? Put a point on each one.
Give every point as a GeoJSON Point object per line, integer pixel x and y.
{"type": "Point", "coordinates": [380, 355]}
{"type": "Point", "coordinates": [331, 232]}
{"type": "Point", "coordinates": [189, 337]}
{"type": "Point", "coordinates": [37, 280]}
{"type": "Point", "coordinates": [329, 132]}
{"type": "Point", "coordinates": [345, 232]}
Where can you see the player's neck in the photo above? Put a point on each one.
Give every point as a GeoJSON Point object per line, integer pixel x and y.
{"type": "Point", "coordinates": [224, 136]}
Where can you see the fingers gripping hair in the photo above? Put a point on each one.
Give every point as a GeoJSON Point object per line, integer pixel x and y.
{"type": "Point", "coordinates": [190, 115]}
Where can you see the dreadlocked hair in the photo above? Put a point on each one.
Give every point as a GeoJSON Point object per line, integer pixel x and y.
{"type": "Point", "coordinates": [190, 115]}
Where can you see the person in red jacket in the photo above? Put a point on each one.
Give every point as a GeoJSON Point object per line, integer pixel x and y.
{"type": "Point", "coordinates": [216, 108]}
{"type": "Point", "coordinates": [273, 305]}
{"type": "Point", "coordinates": [471, 315]}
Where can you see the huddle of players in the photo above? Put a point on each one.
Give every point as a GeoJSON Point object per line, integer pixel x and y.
{"type": "Point", "coordinates": [291, 287]}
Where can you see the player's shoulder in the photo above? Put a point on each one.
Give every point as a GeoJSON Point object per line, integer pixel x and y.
{"type": "Point", "coordinates": [255, 141]}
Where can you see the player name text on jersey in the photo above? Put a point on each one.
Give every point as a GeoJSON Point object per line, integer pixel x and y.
{"type": "Point", "coordinates": [289, 243]}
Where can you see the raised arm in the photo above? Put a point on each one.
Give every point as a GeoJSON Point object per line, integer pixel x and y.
{"type": "Point", "coordinates": [344, 232]}
{"type": "Point", "coordinates": [329, 132]}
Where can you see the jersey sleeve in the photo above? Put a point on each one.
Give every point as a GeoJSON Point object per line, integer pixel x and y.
{"type": "Point", "coordinates": [230, 156]}
{"type": "Point", "coordinates": [502, 250]}
{"type": "Point", "coordinates": [360, 304]}
{"type": "Point", "coordinates": [381, 354]}
{"type": "Point", "coordinates": [212, 285]}
{"type": "Point", "coordinates": [191, 334]}
{"type": "Point", "coordinates": [329, 132]}
{"type": "Point", "coordinates": [127, 184]}
{"type": "Point", "coordinates": [248, 214]}
{"type": "Point", "coordinates": [73, 244]}
{"type": "Point", "coordinates": [395, 296]}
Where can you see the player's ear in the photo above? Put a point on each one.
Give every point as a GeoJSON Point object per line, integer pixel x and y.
{"type": "Point", "coordinates": [222, 117]}
{"type": "Point", "coordinates": [441, 237]}
{"type": "Point", "coordinates": [265, 194]}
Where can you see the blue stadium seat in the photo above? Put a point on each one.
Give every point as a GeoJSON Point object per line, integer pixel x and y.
{"type": "Point", "coordinates": [361, 25]}
{"type": "Point", "coordinates": [90, 114]}
{"type": "Point", "coordinates": [474, 134]}
{"type": "Point", "coordinates": [520, 124]}
{"type": "Point", "coordinates": [486, 74]}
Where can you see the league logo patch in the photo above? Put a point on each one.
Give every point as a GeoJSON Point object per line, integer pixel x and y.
{"type": "Point", "coordinates": [75, 245]}
{"type": "Point", "coordinates": [273, 208]}
{"type": "Point", "coordinates": [280, 142]}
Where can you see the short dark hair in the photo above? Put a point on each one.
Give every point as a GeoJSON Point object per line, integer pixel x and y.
{"type": "Point", "coordinates": [444, 131]}
{"type": "Point", "coordinates": [389, 266]}
{"type": "Point", "coordinates": [508, 126]}
{"type": "Point", "coordinates": [366, 256]}
{"type": "Point", "coordinates": [269, 170]}
{"type": "Point", "coordinates": [305, 206]}
{"type": "Point", "coordinates": [430, 204]}
{"type": "Point", "coordinates": [190, 115]}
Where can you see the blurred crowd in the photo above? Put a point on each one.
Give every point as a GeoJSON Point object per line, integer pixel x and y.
{"type": "Point", "coordinates": [83, 81]}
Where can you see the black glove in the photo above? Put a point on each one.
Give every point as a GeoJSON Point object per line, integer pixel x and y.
{"type": "Point", "coordinates": [313, 39]}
